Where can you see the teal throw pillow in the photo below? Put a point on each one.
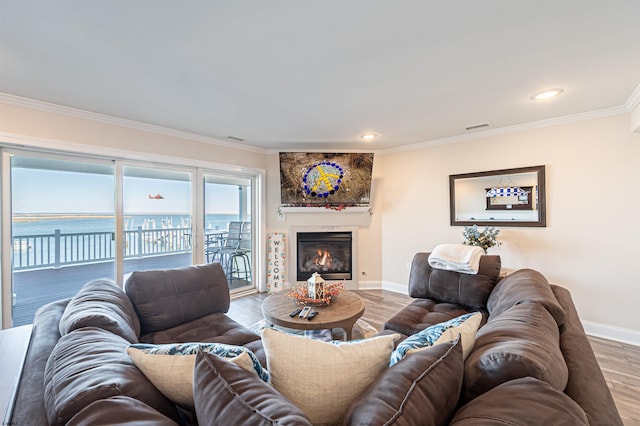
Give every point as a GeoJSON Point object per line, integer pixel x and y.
{"type": "Point", "coordinates": [465, 325]}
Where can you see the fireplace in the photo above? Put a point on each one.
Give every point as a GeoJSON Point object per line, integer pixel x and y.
{"type": "Point", "coordinates": [328, 253]}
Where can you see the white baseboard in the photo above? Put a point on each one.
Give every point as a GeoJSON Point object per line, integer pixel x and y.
{"type": "Point", "coordinates": [619, 334]}
{"type": "Point", "coordinates": [395, 287]}
{"type": "Point", "coordinates": [369, 285]}
{"type": "Point", "coordinates": [383, 285]}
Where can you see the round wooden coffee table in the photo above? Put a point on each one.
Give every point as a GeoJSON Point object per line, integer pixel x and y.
{"type": "Point", "coordinates": [343, 312]}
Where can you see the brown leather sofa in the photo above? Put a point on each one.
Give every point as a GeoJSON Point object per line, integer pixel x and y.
{"type": "Point", "coordinates": [77, 370]}
{"type": "Point", "coordinates": [531, 360]}
{"type": "Point", "coordinates": [531, 363]}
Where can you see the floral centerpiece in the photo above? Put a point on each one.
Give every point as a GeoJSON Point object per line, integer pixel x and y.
{"type": "Point", "coordinates": [485, 239]}
{"type": "Point", "coordinates": [300, 294]}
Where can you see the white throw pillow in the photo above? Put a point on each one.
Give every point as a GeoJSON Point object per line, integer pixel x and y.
{"type": "Point", "coordinates": [170, 367]}
{"type": "Point", "coordinates": [324, 378]}
{"type": "Point", "coordinates": [465, 325]}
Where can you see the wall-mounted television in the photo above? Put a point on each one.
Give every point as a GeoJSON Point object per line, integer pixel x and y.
{"type": "Point", "coordinates": [325, 179]}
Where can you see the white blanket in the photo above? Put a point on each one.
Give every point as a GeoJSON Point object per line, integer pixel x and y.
{"type": "Point", "coordinates": [456, 257]}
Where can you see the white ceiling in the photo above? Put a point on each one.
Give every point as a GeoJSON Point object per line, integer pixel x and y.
{"type": "Point", "coordinates": [315, 74]}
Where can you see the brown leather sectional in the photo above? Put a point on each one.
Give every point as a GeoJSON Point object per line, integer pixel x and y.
{"type": "Point", "coordinates": [531, 363]}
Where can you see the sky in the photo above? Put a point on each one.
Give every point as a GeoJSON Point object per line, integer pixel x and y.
{"type": "Point", "coordinates": [49, 191]}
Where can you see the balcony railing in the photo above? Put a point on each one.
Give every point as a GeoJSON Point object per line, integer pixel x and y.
{"type": "Point", "coordinates": [60, 249]}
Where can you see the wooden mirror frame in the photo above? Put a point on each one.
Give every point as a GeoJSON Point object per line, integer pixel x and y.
{"type": "Point", "coordinates": [541, 205]}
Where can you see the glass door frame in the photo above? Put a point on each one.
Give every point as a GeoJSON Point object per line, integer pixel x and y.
{"type": "Point", "coordinates": [6, 289]}
{"type": "Point", "coordinates": [244, 201]}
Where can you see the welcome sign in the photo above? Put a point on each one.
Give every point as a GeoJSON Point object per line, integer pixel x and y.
{"type": "Point", "coordinates": [275, 261]}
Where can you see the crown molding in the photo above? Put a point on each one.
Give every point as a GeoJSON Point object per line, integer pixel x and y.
{"type": "Point", "coordinates": [121, 122]}
{"type": "Point", "coordinates": [634, 99]}
{"type": "Point", "coordinates": [321, 150]}
{"type": "Point", "coordinates": [567, 119]}
{"type": "Point", "coordinates": [632, 102]}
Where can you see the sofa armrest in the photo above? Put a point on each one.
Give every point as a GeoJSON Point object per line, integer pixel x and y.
{"type": "Point", "coordinates": [29, 403]}
{"type": "Point", "coordinates": [587, 385]}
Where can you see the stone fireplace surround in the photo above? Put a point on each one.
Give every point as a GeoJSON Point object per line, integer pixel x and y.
{"type": "Point", "coordinates": [293, 250]}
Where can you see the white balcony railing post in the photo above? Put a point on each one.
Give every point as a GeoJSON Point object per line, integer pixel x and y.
{"type": "Point", "coordinates": [139, 241]}
{"type": "Point", "coordinates": [56, 248]}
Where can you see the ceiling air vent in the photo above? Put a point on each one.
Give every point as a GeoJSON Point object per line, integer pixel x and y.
{"type": "Point", "coordinates": [235, 138]}
{"type": "Point", "coordinates": [477, 126]}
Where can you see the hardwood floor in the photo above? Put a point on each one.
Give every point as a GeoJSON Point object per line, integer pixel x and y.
{"type": "Point", "coordinates": [620, 363]}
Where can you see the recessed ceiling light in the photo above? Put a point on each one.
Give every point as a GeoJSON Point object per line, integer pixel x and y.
{"type": "Point", "coordinates": [546, 94]}
{"type": "Point", "coordinates": [368, 136]}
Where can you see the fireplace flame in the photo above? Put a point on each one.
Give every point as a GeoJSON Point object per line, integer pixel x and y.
{"type": "Point", "coordinates": [323, 258]}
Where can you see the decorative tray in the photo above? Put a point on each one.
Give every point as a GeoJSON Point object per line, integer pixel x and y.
{"type": "Point", "coordinates": [300, 295]}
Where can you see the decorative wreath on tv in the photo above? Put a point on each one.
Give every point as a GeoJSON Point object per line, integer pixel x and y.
{"type": "Point", "coordinates": [322, 179]}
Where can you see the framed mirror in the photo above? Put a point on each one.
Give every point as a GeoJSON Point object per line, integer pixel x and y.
{"type": "Point", "coordinates": [509, 197]}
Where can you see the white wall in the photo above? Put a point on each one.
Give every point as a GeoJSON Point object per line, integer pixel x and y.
{"type": "Point", "coordinates": [591, 244]}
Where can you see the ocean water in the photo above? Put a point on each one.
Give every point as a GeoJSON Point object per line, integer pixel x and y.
{"type": "Point", "coordinates": [24, 225]}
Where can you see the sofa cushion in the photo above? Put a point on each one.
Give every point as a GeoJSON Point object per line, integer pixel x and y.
{"type": "Point", "coordinates": [530, 402]}
{"type": "Point", "coordinates": [90, 364]}
{"type": "Point", "coordinates": [523, 341]}
{"type": "Point", "coordinates": [448, 286]}
{"type": "Point", "coordinates": [170, 297]}
{"type": "Point", "coordinates": [101, 303]}
{"type": "Point", "coordinates": [323, 378]}
{"type": "Point", "coordinates": [421, 389]}
{"type": "Point", "coordinates": [423, 313]}
{"type": "Point", "coordinates": [170, 367]}
{"type": "Point", "coordinates": [214, 328]}
{"type": "Point", "coordinates": [119, 411]}
{"type": "Point", "coordinates": [524, 285]}
{"type": "Point", "coordinates": [225, 394]}
{"type": "Point", "coordinates": [465, 326]}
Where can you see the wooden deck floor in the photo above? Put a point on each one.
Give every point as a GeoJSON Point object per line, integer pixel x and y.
{"type": "Point", "coordinates": [35, 288]}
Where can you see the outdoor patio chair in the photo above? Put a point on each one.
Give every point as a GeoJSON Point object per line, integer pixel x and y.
{"type": "Point", "coordinates": [226, 244]}
{"type": "Point", "coordinates": [239, 262]}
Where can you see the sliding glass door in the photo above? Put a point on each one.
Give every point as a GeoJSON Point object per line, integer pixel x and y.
{"type": "Point", "coordinates": [156, 218]}
{"type": "Point", "coordinates": [69, 219]}
{"type": "Point", "coordinates": [228, 227]}
{"type": "Point", "coordinates": [62, 230]}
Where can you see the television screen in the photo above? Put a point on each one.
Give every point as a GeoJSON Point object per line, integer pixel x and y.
{"type": "Point", "coordinates": [325, 179]}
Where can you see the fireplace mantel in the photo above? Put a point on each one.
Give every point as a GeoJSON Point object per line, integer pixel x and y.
{"type": "Point", "coordinates": [283, 211]}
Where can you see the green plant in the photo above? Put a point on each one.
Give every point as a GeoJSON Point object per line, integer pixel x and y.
{"type": "Point", "coordinates": [485, 239]}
